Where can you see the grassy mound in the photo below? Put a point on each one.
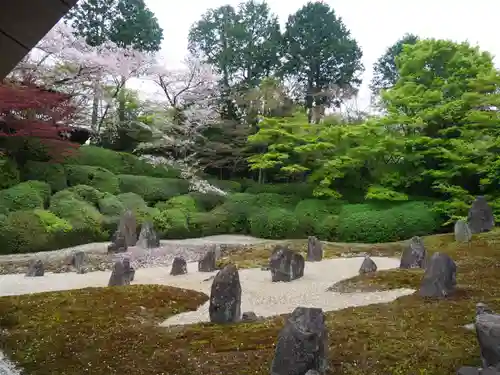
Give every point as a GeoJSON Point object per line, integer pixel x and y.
{"type": "Point", "coordinates": [98, 330]}
{"type": "Point", "coordinates": [114, 334]}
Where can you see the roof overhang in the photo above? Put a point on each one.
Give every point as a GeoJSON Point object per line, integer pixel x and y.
{"type": "Point", "coordinates": [23, 23]}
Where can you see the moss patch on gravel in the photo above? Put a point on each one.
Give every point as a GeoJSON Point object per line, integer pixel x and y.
{"type": "Point", "coordinates": [251, 256]}
{"type": "Point", "coordinates": [108, 328]}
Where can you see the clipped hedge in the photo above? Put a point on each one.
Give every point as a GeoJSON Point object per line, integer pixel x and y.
{"type": "Point", "coordinates": [276, 223]}
{"type": "Point", "coordinates": [226, 185]}
{"type": "Point", "coordinates": [184, 202]}
{"type": "Point", "coordinates": [300, 189]}
{"type": "Point", "coordinates": [172, 224]}
{"type": "Point", "coordinates": [23, 232]}
{"type": "Point", "coordinates": [80, 214]}
{"type": "Point", "coordinates": [87, 193]}
{"type": "Point", "coordinates": [399, 222]}
{"type": "Point", "coordinates": [9, 174]}
{"type": "Point", "coordinates": [24, 196]}
{"type": "Point", "coordinates": [97, 177]}
{"type": "Point", "coordinates": [119, 162]}
{"type": "Point", "coordinates": [207, 201]}
{"type": "Point", "coordinates": [312, 212]}
{"type": "Point", "coordinates": [153, 189]}
{"type": "Point", "coordinates": [52, 173]}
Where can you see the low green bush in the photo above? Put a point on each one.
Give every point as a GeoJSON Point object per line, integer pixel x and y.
{"type": "Point", "coordinates": [311, 212]}
{"type": "Point", "coordinates": [399, 222]}
{"type": "Point", "coordinates": [226, 185]}
{"type": "Point", "coordinates": [110, 205]}
{"type": "Point", "coordinates": [207, 201]}
{"type": "Point", "coordinates": [52, 173]}
{"type": "Point", "coordinates": [172, 224]}
{"type": "Point", "coordinates": [206, 224]}
{"type": "Point", "coordinates": [138, 205]}
{"type": "Point", "coordinates": [299, 189]}
{"type": "Point", "coordinates": [276, 223]}
{"type": "Point", "coordinates": [80, 214]}
{"type": "Point", "coordinates": [51, 222]}
{"type": "Point", "coordinates": [97, 177]}
{"type": "Point", "coordinates": [23, 232]}
{"type": "Point", "coordinates": [326, 228]}
{"type": "Point", "coordinates": [153, 189]}
{"type": "Point", "coordinates": [119, 162]}
{"type": "Point", "coordinates": [87, 193]}
{"type": "Point", "coordinates": [184, 202]}
{"type": "Point", "coordinates": [9, 173]}
{"type": "Point", "coordinates": [24, 196]}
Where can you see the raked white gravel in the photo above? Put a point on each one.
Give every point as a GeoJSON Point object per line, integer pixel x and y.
{"type": "Point", "coordinates": [259, 294]}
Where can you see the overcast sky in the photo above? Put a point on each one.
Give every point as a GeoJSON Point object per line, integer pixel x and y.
{"type": "Point", "coordinates": [374, 24]}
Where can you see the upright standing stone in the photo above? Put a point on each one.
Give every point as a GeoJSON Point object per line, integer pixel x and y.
{"type": "Point", "coordinates": [119, 277]}
{"type": "Point", "coordinates": [35, 268]}
{"type": "Point", "coordinates": [179, 266]}
{"type": "Point", "coordinates": [78, 261]}
{"type": "Point", "coordinates": [207, 263]}
{"type": "Point", "coordinates": [225, 296]}
{"type": "Point", "coordinates": [148, 238]}
{"type": "Point", "coordinates": [129, 270]}
{"type": "Point", "coordinates": [480, 218]}
{"type": "Point", "coordinates": [314, 249]}
{"type": "Point", "coordinates": [414, 254]}
{"type": "Point", "coordinates": [488, 336]}
{"type": "Point", "coordinates": [285, 264]}
{"type": "Point", "coordinates": [126, 234]}
{"type": "Point", "coordinates": [368, 266]}
{"type": "Point", "coordinates": [440, 277]}
{"type": "Point", "coordinates": [462, 231]}
{"type": "Point", "coordinates": [302, 344]}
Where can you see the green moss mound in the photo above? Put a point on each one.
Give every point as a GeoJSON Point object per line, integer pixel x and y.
{"type": "Point", "coordinates": [111, 329]}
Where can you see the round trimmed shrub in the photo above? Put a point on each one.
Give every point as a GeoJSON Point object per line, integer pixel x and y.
{"type": "Point", "coordinates": [9, 173]}
{"type": "Point", "coordinates": [97, 177]}
{"type": "Point", "coordinates": [207, 201]}
{"type": "Point", "coordinates": [119, 162]}
{"type": "Point", "coordinates": [226, 185]}
{"type": "Point", "coordinates": [24, 196]}
{"type": "Point", "coordinates": [326, 228]}
{"type": "Point", "coordinates": [310, 212]}
{"type": "Point", "coordinates": [87, 193]}
{"type": "Point", "coordinates": [51, 222]}
{"type": "Point", "coordinates": [80, 214]}
{"type": "Point", "coordinates": [172, 224]}
{"type": "Point", "coordinates": [185, 203]}
{"type": "Point", "coordinates": [276, 223]}
{"type": "Point", "coordinates": [23, 232]}
{"type": "Point", "coordinates": [134, 202]}
{"type": "Point", "coordinates": [300, 189]}
{"type": "Point", "coordinates": [400, 222]}
{"type": "Point", "coordinates": [153, 189]}
{"type": "Point", "coordinates": [110, 205]}
{"type": "Point", "coordinates": [205, 224]}
{"type": "Point", "coordinates": [52, 173]}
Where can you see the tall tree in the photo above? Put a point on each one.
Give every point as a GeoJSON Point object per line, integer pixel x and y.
{"type": "Point", "coordinates": [320, 52]}
{"type": "Point", "coordinates": [385, 70]}
{"type": "Point", "coordinates": [126, 23]}
{"type": "Point", "coordinates": [242, 44]}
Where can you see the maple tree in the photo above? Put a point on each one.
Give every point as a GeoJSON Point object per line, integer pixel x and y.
{"type": "Point", "coordinates": [34, 122]}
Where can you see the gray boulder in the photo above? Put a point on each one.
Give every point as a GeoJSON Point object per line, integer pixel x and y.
{"type": "Point", "coordinates": [440, 277]}
{"type": "Point", "coordinates": [126, 234]}
{"type": "Point", "coordinates": [480, 218]}
{"type": "Point", "coordinates": [285, 264]}
{"type": "Point", "coordinates": [314, 249]}
{"type": "Point", "coordinates": [77, 261]}
{"type": "Point", "coordinates": [207, 263]}
{"type": "Point", "coordinates": [414, 254]}
{"type": "Point", "coordinates": [488, 335]}
{"type": "Point", "coordinates": [35, 268]}
{"type": "Point", "coordinates": [462, 231]}
{"type": "Point", "coordinates": [129, 270]}
{"type": "Point", "coordinates": [250, 316]}
{"type": "Point", "coordinates": [179, 266]}
{"type": "Point", "coordinates": [119, 275]}
{"type": "Point", "coordinates": [368, 266]}
{"type": "Point", "coordinates": [148, 238]}
{"type": "Point", "coordinates": [302, 344]}
{"type": "Point", "coordinates": [225, 296]}
{"type": "Point", "coordinates": [469, 370]}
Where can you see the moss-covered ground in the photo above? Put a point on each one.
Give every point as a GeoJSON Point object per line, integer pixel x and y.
{"type": "Point", "coordinates": [112, 331]}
